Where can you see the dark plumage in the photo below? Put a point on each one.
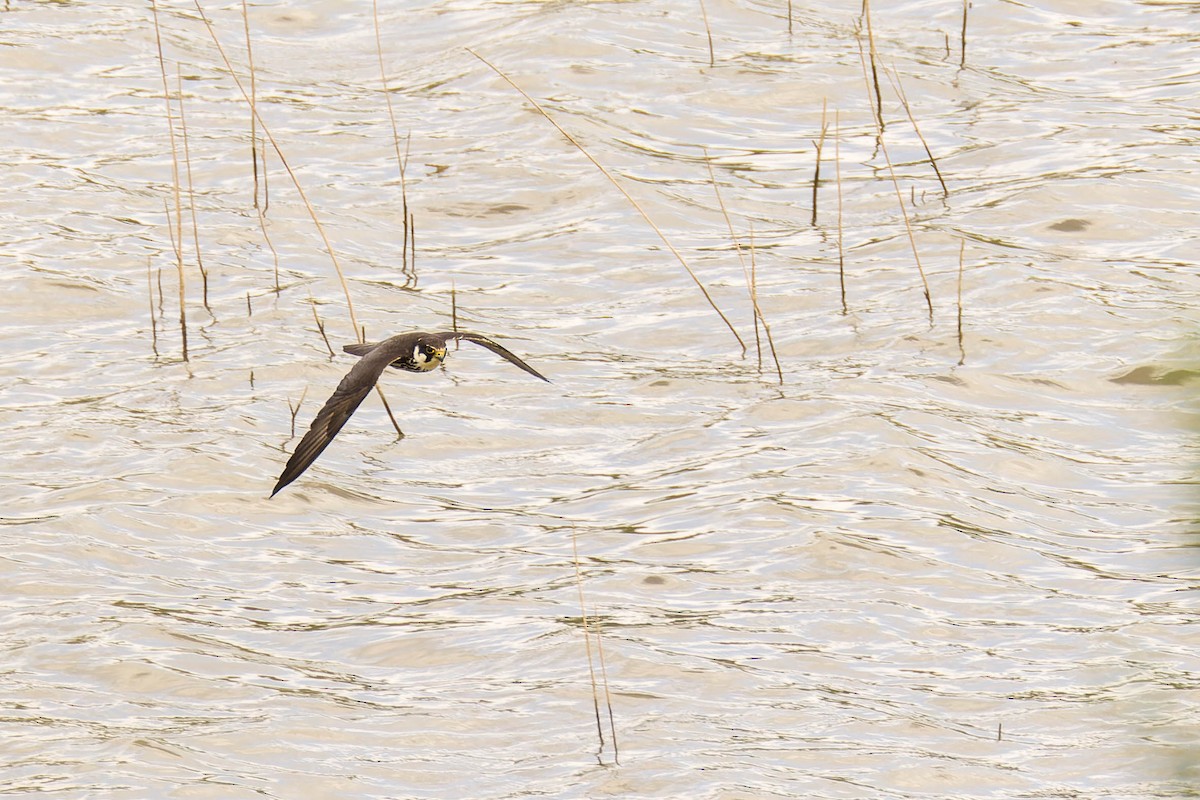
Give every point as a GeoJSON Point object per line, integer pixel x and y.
{"type": "Point", "coordinates": [414, 352]}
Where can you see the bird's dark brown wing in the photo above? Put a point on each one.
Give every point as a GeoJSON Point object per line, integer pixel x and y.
{"type": "Point", "coordinates": [496, 348]}
{"type": "Point", "coordinates": [345, 400]}
{"type": "Point", "coordinates": [361, 379]}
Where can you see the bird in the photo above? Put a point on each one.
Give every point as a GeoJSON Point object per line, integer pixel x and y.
{"type": "Point", "coordinates": [416, 351]}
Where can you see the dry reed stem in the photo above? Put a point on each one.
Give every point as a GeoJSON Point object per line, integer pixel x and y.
{"type": "Point", "coordinates": [789, 17]}
{"type": "Point", "coordinates": [621, 189]}
{"type": "Point", "coordinates": [962, 62]}
{"type": "Point", "coordinates": [453, 307]}
{"type": "Point", "coordinates": [873, 56]}
{"type": "Point", "coordinates": [751, 283]}
{"type": "Point", "coordinates": [401, 160]}
{"type": "Point", "coordinates": [255, 147]}
{"type": "Point", "coordinates": [587, 641]}
{"type": "Point", "coordinates": [262, 226]}
{"type": "Point", "coordinates": [754, 300]}
{"type": "Point", "coordinates": [253, 123]}
{"type": "Point", "coordinates": [296, 410]}
{"type": "Point", "coordinates": [177, 240]}
{"type": "Point", "coordinates": [756, 312]}
{"type": "Point", "coordinates": [249, 308]}
{"type": "Point", "coordinates": [712, 59]}
{"type": "Point", "coordinates": [894, 79]}
{"type": "Point", "coordinates": [191, 190]}
{"type": "Point", "coordinates": [837, 166]}
{"type": "Point", "coordinates": [908, 227]}
{"type": "Point", "coordinates": [320, 325]}
{"type": "Point", "coordinates": [817, 167]}
{"type": "Point", "coordinates": [412, 243]}
{"type": "Point", "coordinates": [388, 408]}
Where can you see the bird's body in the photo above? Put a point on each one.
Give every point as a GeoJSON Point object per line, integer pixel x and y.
{"type": "Point", "coordinates": [414, 352]}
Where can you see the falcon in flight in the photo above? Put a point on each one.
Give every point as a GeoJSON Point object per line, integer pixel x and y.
{"type": "Point", "coordinates": [414, 352]}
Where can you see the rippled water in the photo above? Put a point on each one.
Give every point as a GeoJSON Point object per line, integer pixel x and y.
{"type": "Point", "coordinates": [913, 569]}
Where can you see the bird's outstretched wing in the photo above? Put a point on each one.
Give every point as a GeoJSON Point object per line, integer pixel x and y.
{"type": "Point", "coordinates": [357, 384]}
{"type": "Point", "coordinates": [359, 381]}
{"type": "Point", "coordinates": [495, 347]}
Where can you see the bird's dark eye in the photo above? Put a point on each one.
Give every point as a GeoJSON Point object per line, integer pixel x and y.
{"type": "Point", "coordinates": [429, 351]}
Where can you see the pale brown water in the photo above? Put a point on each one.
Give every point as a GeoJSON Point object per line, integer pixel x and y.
{"type": "Point", "coordinates": [845, 586]}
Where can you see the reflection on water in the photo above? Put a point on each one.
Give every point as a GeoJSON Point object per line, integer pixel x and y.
{"type": "Point", "coordinates": [894, 575]}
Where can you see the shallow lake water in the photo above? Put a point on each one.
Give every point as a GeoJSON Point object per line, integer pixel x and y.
{"type": "Point", "coordinates": [926, 564]}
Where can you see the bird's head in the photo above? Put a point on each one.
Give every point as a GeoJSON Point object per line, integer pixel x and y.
{"type": "Point", "coordinates": [428, 353]}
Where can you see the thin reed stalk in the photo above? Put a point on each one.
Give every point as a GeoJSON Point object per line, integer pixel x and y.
{"type": "Point", "coordinates": [587, 641]}
{"type": "Point", "coordinates": [304, 197]}
{"type": "Point", "coordinates": [712, 59]}
{"type": "Point", "coordinates": [150, 296]}
{"type": "Point", "coordinates": [818, 144]}
{"type": "Point", "coordinates": [679, 256]}
{"type": "Point", "coordinates": [962, 61]}
{"type": "Point", "coordinates": [751, 279]}
{"type": "Point", "coordinates": [894, 78]}
{"type": "Point", "coordinates": [412, 243]}
{"type": "Point", "coordinates": [320, 325]}
{"type": "Point", "coordinates": [737, 246]}
{"type": "Point", "coordinates": [262, 226]}
{"type": "Point", "coordinates": [287, 167]}
{"type": "Point", "coordinates": [296, 409]}
{"type": "Point", "coordinates": [177, 236]}
{"type": "Point", "coordinates": [908, 227]}
{"type": "Point", "coordinates": [409, 272]}
{"type": "Point", "coordinates": [873, 56]}
{"type": "Point", "coordinates": [758, 309]}
{"type": "Point", "coordinates": [837, 166]}
{"type": "Point", "coordinates": [254, 145]}
{"type": "Point", "coordinates": [962, 352]}
{"type": "Point", "coordinates": [191, 191]}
